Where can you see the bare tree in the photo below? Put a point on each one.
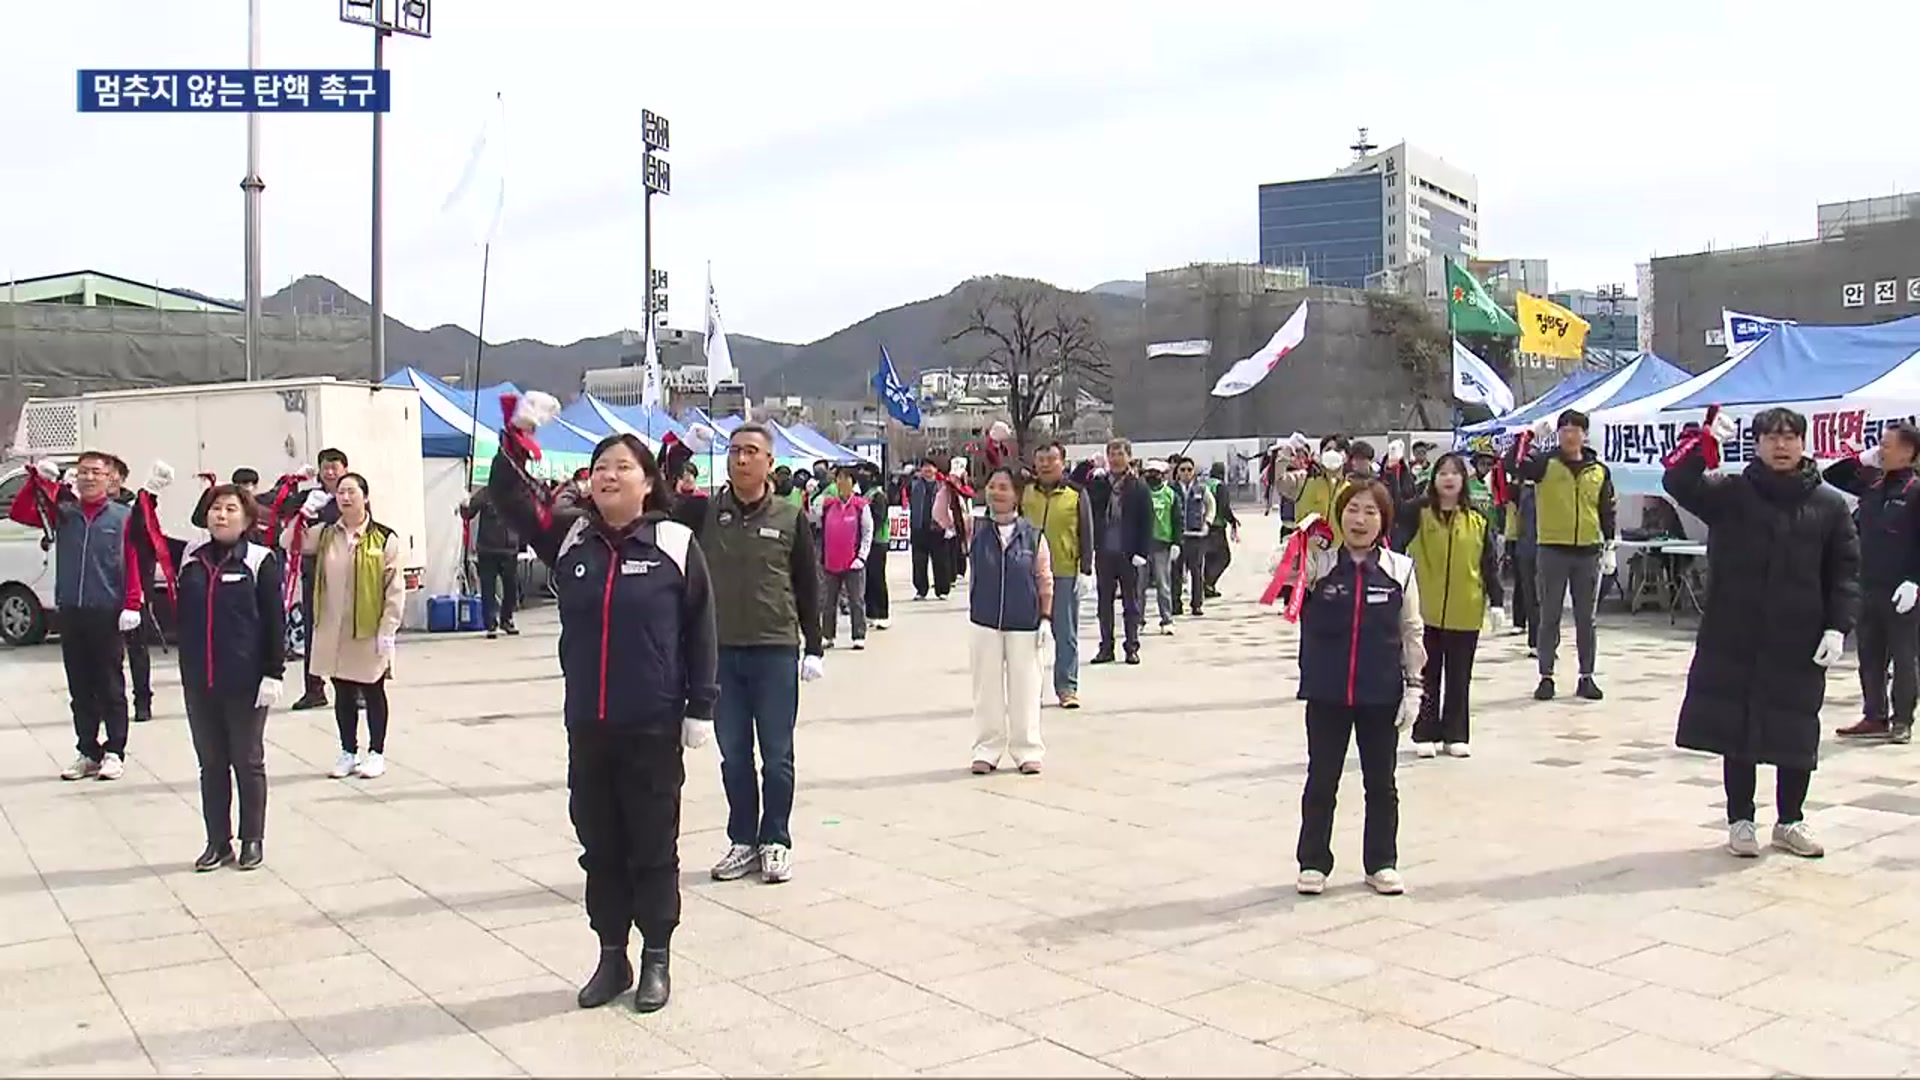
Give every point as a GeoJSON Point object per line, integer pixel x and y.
{"type": "Point", "coordinates": [1041, 340]}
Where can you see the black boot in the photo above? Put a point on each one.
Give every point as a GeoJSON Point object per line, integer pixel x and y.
{"type": "Point", "coordinates": [656, 985]}
{"type": "Point", "coordinates": [215, 857]}
{"type": "Point", "coordinates": [610, 979]}
{"type": "Point", "coordinates": [252, 854]}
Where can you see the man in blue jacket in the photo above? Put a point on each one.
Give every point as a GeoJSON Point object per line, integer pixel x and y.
{"type": "Point", "coordinates": [1123, 538]}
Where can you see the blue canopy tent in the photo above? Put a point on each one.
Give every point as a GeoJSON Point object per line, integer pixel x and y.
{"type": "Point", "coordinates": [722, 424]}
{"type": "Point", "coordinates": [1547, 404]}
{"type": "Point", "coordinates": [822, 446]}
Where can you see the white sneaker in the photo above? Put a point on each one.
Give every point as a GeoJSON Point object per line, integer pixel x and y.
{"type": "Point", "coordinates": [112, 768]}
{"type": "Point", "coordinates": [1310, 883]}
{"type": "Point", "coordinates": [372, 767]}
{"type": "Point", "coordinates": [1459, 749]}
{"type": "Point", "coordinates": [739, 861]}
{"type": "Point", "coordinates": [1796, 838]}
{"type": "Point", "coordinates": [1743, 839]}
{"type": "Point", "coordinates": [879, 624]}
{"type": "Point", "coordinates": [82, 767]}
{"type": "Point", "coordinates": [1166, 629]}
{"type": "Point", "coordinates": [827, 644]}
{"type": "Point", "coordinates": [859, 644]}
{"type": "Point", "coordinates": [1425, 749]}
{"type": "Point", "coordinates": [342, 766]}
{"type": "Point", "coordinates": [1387, 882]}
{"type": "Point", "coordinates": [776, 863]}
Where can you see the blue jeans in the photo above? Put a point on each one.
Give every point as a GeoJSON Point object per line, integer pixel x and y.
{"type": "Point", "coordinates": [1066, 636]}
{"type": "Point", "coordinates": [759, 696]}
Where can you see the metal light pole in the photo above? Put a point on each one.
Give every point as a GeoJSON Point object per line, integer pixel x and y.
{"type": "Point", "coordinates": [413, 18]}
{"type": "Point", "coordinates": [251, 185]}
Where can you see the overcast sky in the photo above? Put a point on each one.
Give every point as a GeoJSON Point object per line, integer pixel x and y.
{"type": "Point", "coordinates": [837, 158]}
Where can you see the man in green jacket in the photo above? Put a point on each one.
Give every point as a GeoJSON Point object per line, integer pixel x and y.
{"type": "Point", "coordinates": [1166, 541]}
{"type": "Point", "coordinates": [1574, 525]}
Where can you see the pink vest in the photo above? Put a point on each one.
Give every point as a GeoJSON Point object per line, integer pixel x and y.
{"type": "Point", "coordinates": [840, 531]}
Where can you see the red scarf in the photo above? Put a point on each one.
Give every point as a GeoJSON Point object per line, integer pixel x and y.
{"type": "Point", "coordinates": [1293, 569]}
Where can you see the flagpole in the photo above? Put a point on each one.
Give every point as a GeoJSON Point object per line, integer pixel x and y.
{"type": "Point", "coordinates": [473, 414]}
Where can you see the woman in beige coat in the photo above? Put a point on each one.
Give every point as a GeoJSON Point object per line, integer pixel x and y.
{"type": "Point", "coordinates": [357, 598]}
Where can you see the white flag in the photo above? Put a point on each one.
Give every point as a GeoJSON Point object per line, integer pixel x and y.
{"type": "Point", "coordinates": [480, 195]}
{"type": "Point", "coordinates": [650, 387]}
{"type": "Point", "coordinates": [1247, 374]}
{"type": "Point", "coordinates": [1474, 381]}
{"type": "Point", "coordinates": [719, 359]}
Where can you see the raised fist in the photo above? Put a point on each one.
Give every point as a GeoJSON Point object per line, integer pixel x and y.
{"type": "Point", "coordinates": [536, 407]}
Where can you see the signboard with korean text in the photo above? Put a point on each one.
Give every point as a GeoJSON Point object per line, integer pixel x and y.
{"type": "Point", "coordinates": [1853, 294]}
{"type": "Point", "coordinates": [331, 90]}
{"type": "Point", "coordinates": [1835, 431]}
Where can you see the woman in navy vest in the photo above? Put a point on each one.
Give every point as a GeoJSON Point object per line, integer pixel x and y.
{"type": "Point", "coordinates": [233, 655]}
{"type": "Point", "coordinates": [1010, 599]}
{"type": "Point", "coordinates": [1360, 662]}
{"type": "Point", "coordinates": [638, 655]}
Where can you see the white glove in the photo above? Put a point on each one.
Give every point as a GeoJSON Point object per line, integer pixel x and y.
{"type": "Point", "coordinates": [1723, 427]}
{"type": "Point", "coordinates": [1299, 443]}
{"type": "Point", "coordinates": [857, 564]}
{"type": "Point", "coordinates": [129, 621]}
{"type": "Point", "coordinates": [307, 472]}
{"type": "Point", "coordinates": [48, 471]}
{"type": "Point", "coordinates": [1044, 640]}
{"type": "Point", "coordinates": [535, 407]}
{"type": "Point", "coordinates": [1083, 586]}
{"type": "Point", "coordinates": [950, 534]}
{"type": "Point", "coordinates": [1871, 459]}
{"type": "Point", "coordinates": [1543, 428]}
{"type": "Point", "coordinates": [1139, 561]}
{"type": "Point", "coordinates": [1496, 620]}
{"type": "Point", "coordinates": [268, 695]}
{"type": "Point", "coordinates": [811, 668]}
{"type": "Point", "coordinates": [700, 438]}
{"type": "Point", "coordinates": [1904, 597]}
{"type": "Point", "coordinates": [1609, 560]}
{"type": "Point", "coordinates": [1396, 450]}
{"type": "Point", "coordinates": [317, 501]}
{"type": "Point", "coordinates": [383, 645]}
{"type": "Point", "coordinates": [1174, 553]}
{"type": "Point", "coordinates": [1832, 645]}
{"type": "Point", "coordinates": [1307, 525]}
{"type": "Point", "coordinates": [1332, 460]}
{"type": "Point", "coordinates": [158, 477]}
{"type": "Point", "coordinates": [695, 734]}
{"type": "Point", "coordinates": [1409, 710]}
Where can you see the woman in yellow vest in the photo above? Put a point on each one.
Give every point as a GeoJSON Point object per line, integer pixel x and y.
{"type": "Point", "coordinates": [1457, 564]}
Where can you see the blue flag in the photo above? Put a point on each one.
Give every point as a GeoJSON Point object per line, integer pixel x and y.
{"type": "Point", "coordinates": [900, 402]}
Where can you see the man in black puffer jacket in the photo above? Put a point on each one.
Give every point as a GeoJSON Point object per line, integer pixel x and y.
{"type": "Point", "coordinates": [1783, 591]}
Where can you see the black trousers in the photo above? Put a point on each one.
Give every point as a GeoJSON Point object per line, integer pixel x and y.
{"type": "Point", "coordinates": [877, 581]}
{"type": "Point", "coordinates": [315, 685]}
{"type": "Point", "coordinates": [1116, 575]}
{"type": "Point", "coordinates": [932, 550]}
{"type": "Point", "coordinates": [1885, 639]}
{"type": "Point", "coordinates": [501, 572]}
{"type": "Point", "coordinates": [140, 666]}
{"type": "Point", "coordinates": [1219, 556]}
{"type": "Point", "coordinates": [1789, 793]}
{"type": "Point", "coordinates": [229, 739]}
{"type": "Point", "coordinates": [623, 793]}
{"type": "Point", "coordinates": [1189, 573]}
{"type": "Point", "coordinates": [1526, 595]}
{"type": "Point", "coordinates": [91, 646]}
{"type": "Point", "coordinates": [1444, 684]}
{"type": "Point", "coordinates": [346, 714]}
{"type": "Point", "coordinates": [1328, 729]}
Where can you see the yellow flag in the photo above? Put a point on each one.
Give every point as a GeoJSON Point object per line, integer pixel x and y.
{"type": "Point", "coordinates": [1547, 329]}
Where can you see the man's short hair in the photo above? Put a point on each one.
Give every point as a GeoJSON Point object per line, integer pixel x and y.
{"type": "Point", "coordinates": [244, 475]}
{"type": "Point", "coordinates": [333, 454]}
{"type": "Point", "coordinates": [1907, 434]}
{"type": "Point", "coordinates": [1778, 419]}
{"type": "Point", "coordinates": [1125, 446]}
{"type": "Point", "coordinates": [756, 428]}
{"type": "Point", "coordinates": [1362, 450]}
{"type": "Point", "coordinates": [1056, 446]}
{"type": "Point", "coordinates": [1572, 418]}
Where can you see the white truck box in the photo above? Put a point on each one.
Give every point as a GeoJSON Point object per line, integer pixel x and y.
{"type": "Point", "coordinates": [276, 427]}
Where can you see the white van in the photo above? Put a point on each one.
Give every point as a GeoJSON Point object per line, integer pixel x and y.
{"type": "Point", "coordinates": [26, 573]}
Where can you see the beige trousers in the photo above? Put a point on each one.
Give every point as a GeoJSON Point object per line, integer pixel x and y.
{"type": "Point", "coordinates": [1006, 695]}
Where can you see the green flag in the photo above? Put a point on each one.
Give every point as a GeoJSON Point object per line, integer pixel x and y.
{"type": "Point", "coordinates": [1470, 310]}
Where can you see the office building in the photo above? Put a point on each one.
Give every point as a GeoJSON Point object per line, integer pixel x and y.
{"type": "Point", "coordinates": [1387, 210]}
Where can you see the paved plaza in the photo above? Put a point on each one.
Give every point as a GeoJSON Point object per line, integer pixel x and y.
{"type": "Point", "coordinates": [1570, 908]}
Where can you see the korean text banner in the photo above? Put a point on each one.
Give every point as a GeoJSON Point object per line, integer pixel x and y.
{"type": "Point", "coordinates": [1834, 430]}
{"type": "Point", "coordinates": [1547, 329]}
{"type": "Point", "coordinates": [332, 90]}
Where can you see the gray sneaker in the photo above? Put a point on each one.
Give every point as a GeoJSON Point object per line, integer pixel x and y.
{"type": "Point", "coordinates": [1743, 839]}
{"type": "Point", "coordinates": [1797, 839]}
{"type": "Point", "coordinates": [776, 863]}
{"type": "Point", "coordinates": [739, 861]}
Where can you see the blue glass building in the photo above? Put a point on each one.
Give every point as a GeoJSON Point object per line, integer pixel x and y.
{"type": "Point", "coordinates": [1334, 226]}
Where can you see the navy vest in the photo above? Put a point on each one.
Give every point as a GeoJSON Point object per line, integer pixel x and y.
{"type": "Point", "coordinates": [1002, 592]}
{"type": "Point", "coordinates": [90, 556]}
{"type": "Point", "coordinates": [1350, 636]}
{"type": "Point", "coordinates": [1194, 507]}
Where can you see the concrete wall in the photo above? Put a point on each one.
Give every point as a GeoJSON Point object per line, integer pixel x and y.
{"type": "Point", "coordinates": [1804, 281]}
{"type": "Point", "coordinates": [1344, 376]}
